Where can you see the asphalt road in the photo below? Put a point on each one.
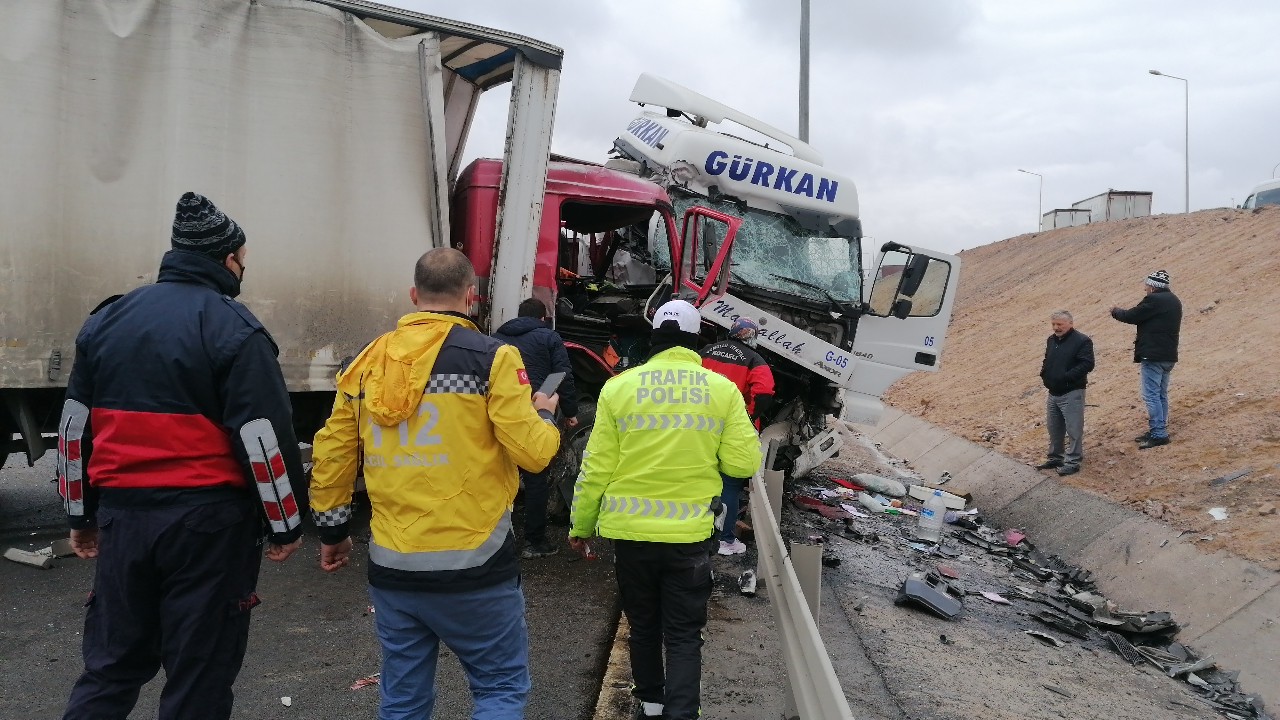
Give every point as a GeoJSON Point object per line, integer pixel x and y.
{"type": "Point", "coordinates": [311, 638]}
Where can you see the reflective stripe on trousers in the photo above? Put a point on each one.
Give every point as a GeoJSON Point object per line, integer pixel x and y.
{"type": "Point", "coordinates": [432, 560]}
{"type": "Point", "coordinates": [648, 507]}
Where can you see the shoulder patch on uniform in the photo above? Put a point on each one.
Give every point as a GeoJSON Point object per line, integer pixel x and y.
{"type": "Point", "coordinates": [522, 375]}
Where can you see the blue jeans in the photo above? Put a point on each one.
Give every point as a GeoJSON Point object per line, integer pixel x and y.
{"type": "Point", "coordinates": [1155, 393]}
{"type": "Point", "coordinates": [485, 628]}
{"type": "Point", "coordinates": [730, 495]}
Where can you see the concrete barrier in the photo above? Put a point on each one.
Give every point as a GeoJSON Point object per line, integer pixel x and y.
{"type": "Point", "coordinates": [1228, 607]}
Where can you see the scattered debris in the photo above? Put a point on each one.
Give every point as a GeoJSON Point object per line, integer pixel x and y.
{"type": "Point", "coordinates": [1218, 513]}
{"type": "Point", "coordinates": [1267, 509]}
{"type": "Point", "coordinates": [879, 484]}
{"type": "Point", "coordinates": [286, 701]}
{"type": "Point", "coordinates": [1063, 623]}
{"type": "Point", "coordinates": [1013, 537]}
{"type": "Point", "coordinates": [930, 592]}
{"type": "Point", "coordinates": [1057, 690]}
{"type": "Point", "coordinates": [830, 559]}
{"type": "Point", "coordinates": [1124, 648]}
{"type": "Point", "coordinates": [1224, 479]}
{"type": "Point", "coordinates": [1045, 638]}
{"type": "Point", "coordinates": [366, 681]}
{"type": "Point", "coordinates": [995, 598]}
{"type": "Point", "coordinates": [924, 492]}
{"type": "Point", "coordinates": [948, 572]}
{"type": "Point", "coordinates": [944, 479]}
{"type": "Point", "coordinates": [26, 557]}
{"type": "Point", "coordinates": [946, 640]}
{"type": "Point", "coordinates": [747, 583]}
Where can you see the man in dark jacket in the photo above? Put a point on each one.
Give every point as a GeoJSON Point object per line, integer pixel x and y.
{"type": "Point", "coordinates": [1068, 358]}
{"type": "Point", "coordinates": [1159, 318]}
{"type": "Point", "coordinates": [544, 353]}
{"type": "Point", "coordinates": [736, 358]}
{"type": "Point", "coordinates": [176, 439]}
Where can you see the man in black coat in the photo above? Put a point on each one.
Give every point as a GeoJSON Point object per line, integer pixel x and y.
{"type": "Point", "coordinates": [176, 454]}
{"type": "Point", "coordinates": [1068, 358]}
{"type": "Point", "coordinates": [544, 353]}
{"type": "Point", "coordinates": [1159, 318]}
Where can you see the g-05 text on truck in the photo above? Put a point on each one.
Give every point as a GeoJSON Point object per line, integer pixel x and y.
{"type": "Point", "coordinates": [796, 266]}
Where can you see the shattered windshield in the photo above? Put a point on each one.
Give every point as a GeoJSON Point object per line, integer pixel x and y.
{"type": "Point", "coordinates": [774, 252]}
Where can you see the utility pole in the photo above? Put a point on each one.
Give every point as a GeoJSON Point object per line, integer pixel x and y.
{"type": "Point", "coordinates": [804, 70]}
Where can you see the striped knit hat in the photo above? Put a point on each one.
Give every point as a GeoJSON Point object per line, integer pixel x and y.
{"type": "Point", "coordinates": [199, 226]}
{"type": "Point", "coordinates": [1158, 279]}
{"type": "Point", "coordinates": [744, 329]}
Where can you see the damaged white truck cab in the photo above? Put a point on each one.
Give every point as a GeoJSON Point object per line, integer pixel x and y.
{"type": "Point", "coordinates": [796, 266]}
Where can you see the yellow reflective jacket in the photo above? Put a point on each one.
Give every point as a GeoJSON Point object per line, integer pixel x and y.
{"type": "Point", "coordinates": [443, 415]}
{"type": "Point", "coordinates": [664, 432]}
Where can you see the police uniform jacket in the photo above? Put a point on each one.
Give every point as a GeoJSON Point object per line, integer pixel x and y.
{"type": "Point", "coordinates": [664, 433]}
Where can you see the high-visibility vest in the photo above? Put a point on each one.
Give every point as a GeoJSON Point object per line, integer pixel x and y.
{"type": "Point", "coordinates": [664, 433]}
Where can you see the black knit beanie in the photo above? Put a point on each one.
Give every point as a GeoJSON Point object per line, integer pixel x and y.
{"type": "Point", "coordinates": [200, 227]}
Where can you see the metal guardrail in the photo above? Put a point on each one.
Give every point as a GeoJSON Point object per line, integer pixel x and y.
{"type": "Point", "coordinates": [816, 693]}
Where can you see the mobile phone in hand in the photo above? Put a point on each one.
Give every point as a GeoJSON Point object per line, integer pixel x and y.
{"type": "Point", "coordinates": [552, 384]}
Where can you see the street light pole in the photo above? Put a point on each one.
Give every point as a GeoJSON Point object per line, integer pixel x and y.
{"type": "Point", "coordinates": [1186, 134]}
{"type": "Point", "coordinates": [804, 70]}
{"type": "Point", "coordinates": [1273, 170]}
{"type": "Point", "coordinates": [1040, 215]}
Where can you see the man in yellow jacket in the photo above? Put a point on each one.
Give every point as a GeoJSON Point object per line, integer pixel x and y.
{"type": "Point", "coordinates": [442, 416]}
{"type": "Point", "coordinates": [651, 476]}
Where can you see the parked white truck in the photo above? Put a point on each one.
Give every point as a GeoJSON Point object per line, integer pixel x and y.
{"type": "Point", "coordinates": [331, 130]}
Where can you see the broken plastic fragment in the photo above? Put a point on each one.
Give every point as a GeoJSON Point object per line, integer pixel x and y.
{"type": "Point", "coordinates": [995, 598]}
{"type": "Point", "coordinates": [1045, 638]}
{"type": "Point", "coordinates": [366, 681]}
{"type": "Point", "coordinates": [1218, 513]}
{"type": "Point", "coordinates": [286, 701]}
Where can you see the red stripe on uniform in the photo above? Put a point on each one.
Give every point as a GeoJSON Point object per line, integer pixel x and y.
{"type": "Point", "coordinates": [290, 505]}
{"type": "Point", "coordinates": [260, 472]}
{"type": "Point", "coordinates": [273, 511]}
{"type": "Point", "coordinates": [277, 465]}
{"type": "Point", "coordinates": [134, 449]}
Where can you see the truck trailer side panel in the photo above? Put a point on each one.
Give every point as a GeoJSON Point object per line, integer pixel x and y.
{"type": "Point", "coordinates": [299, 120]}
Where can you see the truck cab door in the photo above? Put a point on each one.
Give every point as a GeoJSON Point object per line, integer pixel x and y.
{"type": "Point", "coordinates": [700, 258]}
{"type": "Point", "coordinates": [904, 325]}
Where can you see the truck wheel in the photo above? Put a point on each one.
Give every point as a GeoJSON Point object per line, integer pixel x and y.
{"type": "Point", "coordinates": [567, 462]}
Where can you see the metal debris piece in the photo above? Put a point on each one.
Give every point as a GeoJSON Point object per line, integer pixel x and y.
{"type": "Point", "coordinates": [1124, 648]}
{"type": "Point", "coordinates": [1057, 690]}
{"type": "Point", "coordinates": [1045, 638]}
{"type": "Point", "coordinates": [1223, 480]}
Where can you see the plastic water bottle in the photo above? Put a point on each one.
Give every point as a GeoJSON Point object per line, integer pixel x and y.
{"type": "Point", "coordinates": [931, 515]}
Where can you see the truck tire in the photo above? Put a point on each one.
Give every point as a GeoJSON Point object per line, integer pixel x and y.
{"type": "Point", "coordinates": [567, 462]}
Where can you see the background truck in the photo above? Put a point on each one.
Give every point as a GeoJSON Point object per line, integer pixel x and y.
{"type": "Point", "coordinates": [332, 131]}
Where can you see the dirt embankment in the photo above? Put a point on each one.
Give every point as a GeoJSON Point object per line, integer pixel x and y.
{"type": "Point", "coordinates": [1224, 393]}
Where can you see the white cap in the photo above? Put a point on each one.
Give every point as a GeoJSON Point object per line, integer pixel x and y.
{"type": "Point", "coordinates": [680, 311]}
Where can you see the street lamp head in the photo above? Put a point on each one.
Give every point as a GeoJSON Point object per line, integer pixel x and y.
{"type": "Point", "coordinates": [1155, 72]}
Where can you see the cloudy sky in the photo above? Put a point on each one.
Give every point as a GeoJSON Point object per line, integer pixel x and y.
{"type": "Point", "coordinates": [931, 106]}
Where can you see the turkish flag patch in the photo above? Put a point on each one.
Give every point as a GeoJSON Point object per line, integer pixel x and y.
{"type": "Point", "coordinates": [523, 376]}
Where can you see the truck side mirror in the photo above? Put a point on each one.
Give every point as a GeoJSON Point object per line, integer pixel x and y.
{"type": "Point", "coordinates": [913, 274]}
{"type": "Point", "coordinates": [901, 309]}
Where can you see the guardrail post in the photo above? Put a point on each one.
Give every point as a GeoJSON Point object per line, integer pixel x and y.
{"type": "Point", "coordinates": [807, 560]}
{"type": "Point", "coordinates": [773, 483]}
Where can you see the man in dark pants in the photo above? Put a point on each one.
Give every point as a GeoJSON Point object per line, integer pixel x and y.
{"type": "Point", "coordinates": [544, 353]}
{"type": "Point", "coordinates": [1068, 358]}
{"type": "Point", "coordinates": [736, 358]}
{"type": "Point", "coordinates": [1159, 319]}
{"type": "Point", "coordinates": [176, 437]}
{"type": "Point", "coordinates": [664, 434]}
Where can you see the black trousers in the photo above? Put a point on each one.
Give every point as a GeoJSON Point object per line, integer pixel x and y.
{"type": "Point", "coordinates": [173, 587]}
{"type": "Point", "coordinates": [537, 491]}
{"type": "Point", "coordinates": [665, 588]}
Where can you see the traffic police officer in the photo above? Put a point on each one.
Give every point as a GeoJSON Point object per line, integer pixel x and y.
{"type": "Point", "coordinates": [664, 433]}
